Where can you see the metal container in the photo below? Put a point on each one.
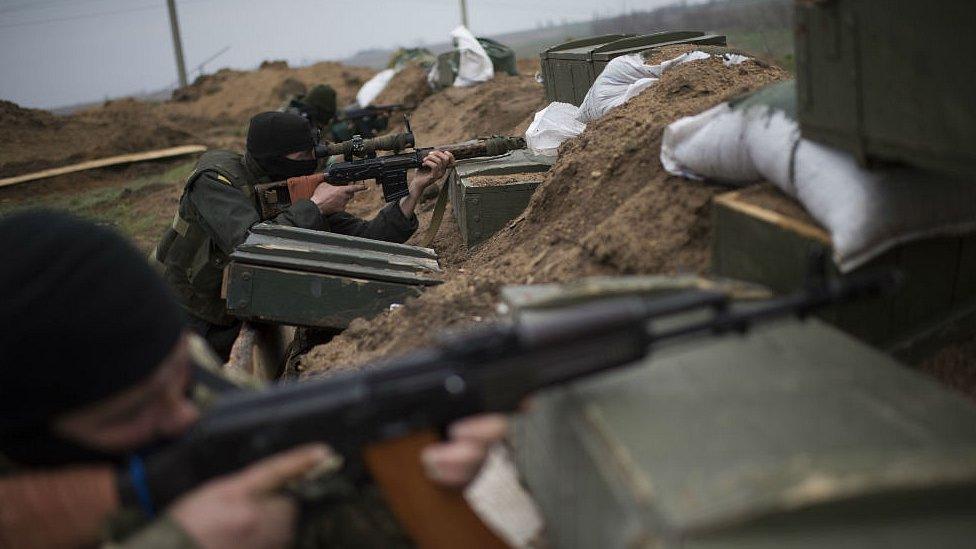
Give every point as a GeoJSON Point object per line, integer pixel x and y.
{"type": "Point", "coordinates": [567, 68]}
{"type": "Point", "coordinates": [794, 435]}
{"type": "Point", "coordinates": [889, 80]}
{"type": "Point", "coordinates": [301, 277]}
{"type": "Point", "coordinates": [627, 46]}
{"type": "Point", "coordinates": [935, 304]}
{"type": "Point", "coordinates": [482, 211]}
{"type": "Point", "coordinates": [570, 69]}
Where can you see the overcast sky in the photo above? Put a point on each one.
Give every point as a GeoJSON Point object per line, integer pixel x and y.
{"type": "Point", "coordinates": [62, 52]}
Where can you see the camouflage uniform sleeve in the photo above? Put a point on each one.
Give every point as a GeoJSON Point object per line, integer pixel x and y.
{"type": "Point", "coordinates": [389, 225]}
{"type": "Point", "coordinates": [228, 214]}
{"type": "Point", "coordinates": [162, 533]}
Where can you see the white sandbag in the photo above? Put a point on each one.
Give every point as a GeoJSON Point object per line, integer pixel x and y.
{"type": "Point", "coordinates": [866, 212]}
{"type": "Point", "coordinates": [374, 87]}
{"type": "Point", "coordinates": [474, 66]}
{"type": "Point", "coordinates": [624, 78]}
{"type": "Point", "coordinates": [551, 126]}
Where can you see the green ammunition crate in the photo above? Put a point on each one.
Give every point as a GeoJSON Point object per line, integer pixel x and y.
{"type": "Point", "coordinates": [482, 211]}
{"type": "Point", "coordinates": [626, 46]}
{"type": "Point", "coordinates": [570, 69]}
{"type": "Point", "coordinates": [567, 67]}
{"type": "Point", "coordinates": [793, 436]}
{"type": "Point", "coordinates": [935, 305]}
{"type": "Point", "coordinates": [301, 277]}
{"type": "Point", "coordinates": [890, 80]}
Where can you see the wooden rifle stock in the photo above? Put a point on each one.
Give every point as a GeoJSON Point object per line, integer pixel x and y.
{"type": "Point", "coordinates": [433, 516]}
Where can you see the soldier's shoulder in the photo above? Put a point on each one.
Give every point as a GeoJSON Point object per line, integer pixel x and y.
{"type": "Point", "coordinates": [226, 166]}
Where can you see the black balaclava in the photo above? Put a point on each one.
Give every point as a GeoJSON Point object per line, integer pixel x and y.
{"type": "Point", "coordinates": [82, 317]}
{"type": "Point", "coordinates": [320, 104]}
{"type": "Point", "coordinates": [272, 135]}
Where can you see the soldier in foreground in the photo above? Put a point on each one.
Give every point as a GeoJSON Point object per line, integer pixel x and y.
{"type": "Point", "coordinates": [88, 386]}
{"type": "Point", "coordinates": [218, 208]}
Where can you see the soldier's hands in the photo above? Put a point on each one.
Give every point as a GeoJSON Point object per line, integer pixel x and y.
{"type": "Point", "coordinates": [246, 510]}
{"type": "Point", "coordinates": [456, 462]}
{"type": "Point", "coordinates": [436, 165]}
{"type": "Point", "coordinates": [333, 199]}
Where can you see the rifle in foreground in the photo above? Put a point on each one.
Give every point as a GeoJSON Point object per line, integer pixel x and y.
{"type": "Point", "coordinates": [386, 413]}
{"type": "Point", "coordinates": [362, 164]}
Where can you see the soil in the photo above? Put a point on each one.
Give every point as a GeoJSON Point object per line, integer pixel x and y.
{"type": "Point", "coordinates": [607, 207]}
{"type": "Point", "coordinates": [498, 107]}
{"type": "Point", "coordinates": [408, 87]}
{"type": "Point", "coordinates": [499, 180]}
{"type": "Point", "coordinates": [213, 111]}
{"type": "Point", "coordinates": [955, 366]}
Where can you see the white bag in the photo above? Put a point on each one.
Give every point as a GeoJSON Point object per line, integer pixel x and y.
{"type": "Point", "coordinates": [624, 78]}
{"type": "Point", "coordinates": [374, 87]}
{"type": "Point", "coordinates": [551, 126]}
{"type": "Point", "coordinates": [474, 65]}
{"type": "Point", "coordinates": [866, 212]}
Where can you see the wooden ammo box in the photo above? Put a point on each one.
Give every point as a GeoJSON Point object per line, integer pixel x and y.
{"type": "Point", "coordinates": [302, 277]}
{"type": "Point", "coordinates": [890, 80]}
{"type": "Point", "coordinates": [795, 435]}
{"type": "Point", "coordinates": [482, 210]}
{"type": "Point", "coordinates": [570, 69]}
{"type": "Point", "coordinates": [762, 237]}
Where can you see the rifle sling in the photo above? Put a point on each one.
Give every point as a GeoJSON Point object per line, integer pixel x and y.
{"type": "Point", "coordinates": [438, 215]}
{"type": "Point", "coordinates": [434, 517]}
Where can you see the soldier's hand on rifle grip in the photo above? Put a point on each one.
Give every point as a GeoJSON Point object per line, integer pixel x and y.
{"type": "Point", "coordinates": [457, 461]}
{"type": "Point", "coordinates": [435, 166]}
{"type": "Point", "coordinates": [333, 199]}
{"type": "Point", "coordinates": [247, 509]}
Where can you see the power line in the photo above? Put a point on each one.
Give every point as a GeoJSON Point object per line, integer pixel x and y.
{"type": "Point", "coordinates": [155, 6]}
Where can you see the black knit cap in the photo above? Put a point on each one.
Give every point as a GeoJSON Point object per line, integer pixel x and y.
{"type": "Point", "coordinates": [272, 134]}
{"type": "Point", "coordinates": [82, 317]}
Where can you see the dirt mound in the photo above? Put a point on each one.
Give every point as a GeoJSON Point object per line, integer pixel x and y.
{"type": "Point", "coordinates": [607, 207]}
{"type": "Point", "coordinates": [407, 87]}
{"type": "Point", "coordinates": [232, 97]}
{"type": "Point", "coordinates": [495, 107]}
{"type": "Point", "coordinates": [213, 111]}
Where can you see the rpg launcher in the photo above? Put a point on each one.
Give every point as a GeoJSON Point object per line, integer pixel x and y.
{"type": "Point", "coordinates": [361, 163]}
{"type": "Point", "coordinates": [383, 415]}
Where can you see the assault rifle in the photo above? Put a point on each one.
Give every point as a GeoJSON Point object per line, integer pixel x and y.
{"type": "Point", "coordinates": [386, 413]}
{"type": "Point", "coordinates": [365, 121]}
{"type": "Point", "coordinates": [361, 163]}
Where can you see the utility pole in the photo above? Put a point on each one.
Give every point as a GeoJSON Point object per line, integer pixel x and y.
{"type": "Point", "coordinates": [174, 25]}
{"type": "Point", "coordinates": [464, 13]}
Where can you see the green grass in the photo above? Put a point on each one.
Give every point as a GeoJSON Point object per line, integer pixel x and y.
{"type": "Point", "coordinates": [124, 206]}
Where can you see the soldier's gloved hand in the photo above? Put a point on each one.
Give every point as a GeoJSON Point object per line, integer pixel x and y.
{"type": "Point", "coordinates": [303, 187]}
{"type": "Point", "coordinates": [332, 199]}
{"type": "Point", "coordinates": [247, 510]}
{"type": "Point", "coordinates": [456, 462]}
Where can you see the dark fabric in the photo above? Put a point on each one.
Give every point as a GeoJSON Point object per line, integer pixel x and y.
{"type": "Point", "coordinates": [84, 317]}
{"type": "Point", "coordinates": [389, 225]}
{"type": "Point", "coordinates": [305, 339]}
{"type": "Point", "coordinates": [279, 167]}
{"type": "Point", "coordinates": [272, 134]}
{"type": "Point", "coordinates": [320, 104]}
{"type": "Point", "coordinates": [220, 338]}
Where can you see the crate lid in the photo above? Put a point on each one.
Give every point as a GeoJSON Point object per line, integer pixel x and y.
{"type": "Point", "coordinates": [580, 49]}
{"type": "Point", "coordinates": [329, 253]}
{"type": "Point", "coordinates": [792, 416]}
{"type": "Point", "coordinates": [518, 161]}
{"type": "Point", "coordinates": [642, 43]}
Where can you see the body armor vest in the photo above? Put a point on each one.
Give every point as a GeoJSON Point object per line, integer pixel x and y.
{"type": "Point", "coordinates": [187, 257]}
